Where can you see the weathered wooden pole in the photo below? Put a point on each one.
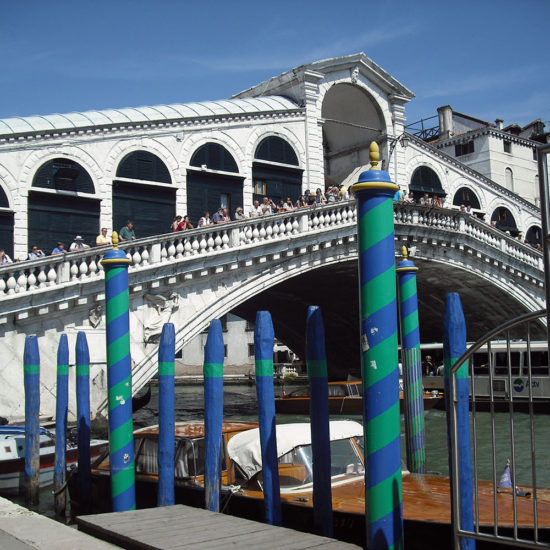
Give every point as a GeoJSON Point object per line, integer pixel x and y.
{"type": "Point", "coordinates": [61, 408]}
{"type": "Point", "coordinates": [454, 345]}
{"type": "Point", "coordinates": [213, 413]}
{"type": "Point", "coordinates": [31, 371]}
{"type": "Point", "coordinates": [83, 423]}
{"type": "Point", "coordinates": [412, 367]}
{"type": "Point", "coordinates": [381, 418]}
{"type": "Point", "coordinates": [119, 379]}
{"type": "Point", "coordinates": [264, 338]}
{"type": "Point", "coordinates": [166, 445]}
{"type": "Point", "coordinates": [316, 362]}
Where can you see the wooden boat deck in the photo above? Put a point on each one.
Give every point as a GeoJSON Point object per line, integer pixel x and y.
{"type": "Point", "coordinates": [179, 526]}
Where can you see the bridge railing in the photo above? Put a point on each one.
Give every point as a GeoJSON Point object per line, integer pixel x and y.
{"type": "Point", "coordinates": [83, 266]}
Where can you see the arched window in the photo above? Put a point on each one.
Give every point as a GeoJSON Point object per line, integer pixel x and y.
{"type": "Point", "coordinates": [466, 197]}
{"type": "Point", "coordinates": [207, 189]}
{"type": "Point", "coordinates": [509, 179]}
{"type": "Point", "coordinates": [425, 180]}
{"type": "Point", "coordinates": [151, 206]}
{"type": "Point", "coordinates": [55, 216]}
{"type": "Point", "coordinates": [6, 224]}
{"type": "Point", "coordinates": [276, 181]}
{"type": "Point", "coordinates": [214, 156]}
{"type": "Point", "coordinates": [534, 235]}
{"type": "Point", "coordinates": [504, 220]}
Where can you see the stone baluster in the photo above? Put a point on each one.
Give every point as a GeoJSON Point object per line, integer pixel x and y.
{"type": "Point", "coordinates": [11, 284]}
{"type": "Point", "coordinates": [2, 285]}
{"type": "Point", "coordinates": [179, 250]}
{"type": "Point", "coordinates": [171, 252]}
{"type": "Point", "coordinates": [83, 269]}
{"type": "Point", "coordinates": [52, 276]}
{"type": "Point", "coordinates": [217, 241]}
{"type": "Point", "coordinates": [145, 256]}
{"type": "Point", "coordinates": [22, 282]}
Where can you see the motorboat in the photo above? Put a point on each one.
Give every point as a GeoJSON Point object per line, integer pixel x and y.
{"type": "Point", "coordinates": [12, 457]}
{"type": "Point", "coordinates": [344, 398]}
{"type": "Point", "coordinates": [426, 498]}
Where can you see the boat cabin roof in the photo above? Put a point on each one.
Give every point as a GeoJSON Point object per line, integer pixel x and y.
{"type": "Point", "coordinates": [244, 447]}
{"type": "Point", "coordinates": [195, 429]}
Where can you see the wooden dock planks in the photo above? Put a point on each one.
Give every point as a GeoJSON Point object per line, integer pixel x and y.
{"type": "Point", "coordinates": [179, 526]}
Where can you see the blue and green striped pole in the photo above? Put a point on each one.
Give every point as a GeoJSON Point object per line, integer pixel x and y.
{"type": "Point", "coordinates": [264, 339]}
{"type": "Point", "coordinates": [167, 436]}
{"type": "Point", "coordinates": [119, 379]}
{"type": "Point", "coordinates": [213, 414]}
{"type": "Point", "coordinates": [316, 362]}
{"type": "Point", "coordinates": [381, 417]}
{"type": "Point", "coordinates": [61, 408]}
{"type": "Point", "coordinates": [412, 367]}
{"type": "Point", "coordinates": [454, 345]}
{"type": "Point", "coordinates": [31, 371]}
{"type": "Point", "coordinates": [83, 423]}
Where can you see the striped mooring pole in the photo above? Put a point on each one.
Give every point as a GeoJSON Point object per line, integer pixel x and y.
{"type": "Point", "coordinates": [378, 309]}
{"type": "Point", "coordinates": [412, 366]}
{"type": "Point", "coordinates": [119, 379]}
{"type": "Point", "coordinates": [264, 339]}
{"type": "Point", "coordinates": [454, 345]}
{"type": "Point", "coordinates": [166, 446]}
{"type": "Point", "coordinates": [213, 414]}
{"type": "Point", "coordinates": [316, 362]}
{"type": "Point", "coordinates": [61, 408]}
{"type": "Point", "coordinates": [83, 423]}
{"type": "Point", "coordinates": [31, 372]}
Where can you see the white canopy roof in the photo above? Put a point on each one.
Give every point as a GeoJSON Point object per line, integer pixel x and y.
{"type": "Point", "coordinates": [244, 447]}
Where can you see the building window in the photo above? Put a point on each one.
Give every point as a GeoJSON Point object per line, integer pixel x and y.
{"type": "Point", "coordinates": [249, 326]}
{"type": "Point", "coordinates": [250, 350]}
{"type": "Point", "coordinates": [509, 175]}
{"type": "Point", "coordinates": [464, 148]}
{"type": "Point", "coordinates": [260, 187]}
{"type": "Point", "coordinates": [534, 154]}
{"type": "Point", "coordinates": [507, 146]}
{"type": "Point", "coordinates": [225, 350]}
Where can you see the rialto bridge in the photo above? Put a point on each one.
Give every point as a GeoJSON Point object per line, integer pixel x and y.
{"type": "Point", "coordinates": [282, 263]}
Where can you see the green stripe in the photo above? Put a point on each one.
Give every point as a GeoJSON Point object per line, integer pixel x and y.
{"type": "Point", "coordinates": [264, 367]}
{"type": "Point", "coordinates": [31, 369]}
{"type": "Point", "coordinates": [462, 371]}
{"type": "Point", "coordinates": [213, 370]}
{"type": "Point", "coordinates": [378, 292]}
{"type": "Point", "coordinates": [385, 355]}
{"type": "Point", "coordinates": [111, 272]}
{"type": "Point", "coordinates": [117, 306]}
{"type": "Point", "coordinates": [166, 368]}
{"type": "Point", "coordinates": [410, 322]}
{"type": "Point", "coordinates": [62, 369]}
{"type": "Point", "coordinates": [83, 370]}
{"type": "Point", "coordinates": [383, 429]}
{"type": "Point", "coordinates": [123, 390]}
{"type": "Point", "coordinates": [123, 479]}
{"type": "Point", "coordinates": [381, 497]}
{"type": "Point", "coordinates": [120, 436]}
{"type": "Point", "coordinates": [380, 218]}
{"type": "Point", "coordinates": [119, 349]}
{"type": "Point", "coordinates": [317, 368]}
{"type": "Point", "coordinates": [407, 289]}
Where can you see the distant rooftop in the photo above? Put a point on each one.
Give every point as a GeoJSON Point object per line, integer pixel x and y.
{"type": "Point", "coordinates": [224, 107]}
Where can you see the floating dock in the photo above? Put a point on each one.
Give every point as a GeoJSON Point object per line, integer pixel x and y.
{"type": "Point", "coordinates": [177, 527]}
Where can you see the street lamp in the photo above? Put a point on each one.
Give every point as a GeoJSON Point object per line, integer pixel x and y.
{"type": "Point", "coordinates": [404, 139]}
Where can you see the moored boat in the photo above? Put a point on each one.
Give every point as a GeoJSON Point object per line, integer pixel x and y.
{"type": "Point", "coordinates": [426, 498]}
{"type": "Point", "coordinates": [12, 457]}
{"type": "Point", "coordinates": [344, 398]}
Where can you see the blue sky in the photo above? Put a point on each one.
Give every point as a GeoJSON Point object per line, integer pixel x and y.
{"type": "Point", "coordinates": [487, 58]}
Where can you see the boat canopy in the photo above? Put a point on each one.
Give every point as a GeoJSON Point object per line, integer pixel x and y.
{"type": "Point", "coordinates": [244, 448]}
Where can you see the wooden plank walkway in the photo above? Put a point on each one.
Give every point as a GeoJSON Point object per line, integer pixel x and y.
{"type": "Point", "coordinates": [179, 526]}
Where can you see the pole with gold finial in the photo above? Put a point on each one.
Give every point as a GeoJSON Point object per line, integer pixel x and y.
{"type": "Point", "coordinates": [381, 417]}
{"type": "Point", "coordinates": [412, 367]}
{"type": "Point", "coordinates": [119, 379]}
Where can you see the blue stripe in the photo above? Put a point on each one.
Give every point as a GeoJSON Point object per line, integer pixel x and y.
{"type": "Point", "coordinates": [366, 205]}
{"type": "Point", "coordinates": [119, 371]}
{"type": "Point", "coordinates": [383, 255]}
{"type": "Point", "coordinates": [120, 415]}
{"type": "Point", "coordinates": [382, 395]}
{"type": "Point", "coordinates": [410, 305]}
{"type": "Point", "coordinates": [125, 501]}
{"type": "Point", "coordinates": [117, 327]}
{"type": "Point", "coordinates": [381, 325]}
{"type": "Point", "coordinates": [387, 530]}
{"type": "Point", "coordinates": [117, 284]}
{"type": "Point", "coordinates": [385, 462]}
{"type": "Point", "coordinates": [117, 458]}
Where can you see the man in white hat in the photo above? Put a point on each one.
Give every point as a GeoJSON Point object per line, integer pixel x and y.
{"type": "Point", "coordinates": [78, 244]}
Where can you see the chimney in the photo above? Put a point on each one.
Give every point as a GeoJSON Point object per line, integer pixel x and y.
{"type": "Point", "coordinates": [446, 129]}
{"type": "Point", "coordinates": [499, 123]}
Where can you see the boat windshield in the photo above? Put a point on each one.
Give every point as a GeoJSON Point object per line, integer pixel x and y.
{"type": "Point", "coordinates": [296, 466]}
